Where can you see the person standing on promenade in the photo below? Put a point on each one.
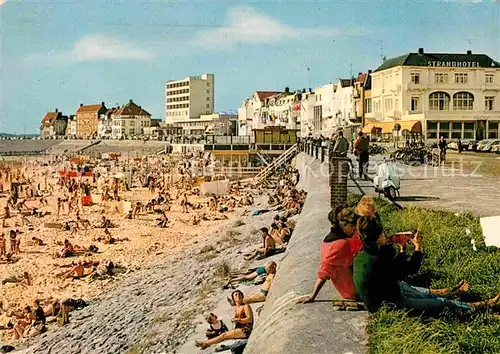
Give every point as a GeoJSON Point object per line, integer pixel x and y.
{"type": "Point", "coordinates": [442, 149]}
{"type": "Point", "coordinates": [361, 151]}
{"type": "Point", "coordinates": [341, 144]}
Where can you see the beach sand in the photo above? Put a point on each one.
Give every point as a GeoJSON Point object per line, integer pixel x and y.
{"type": "Point", "coordinates": [148, 245]}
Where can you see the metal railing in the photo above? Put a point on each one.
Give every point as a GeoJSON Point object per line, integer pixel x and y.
{"type": "Point", "coordinates": [315, 150]}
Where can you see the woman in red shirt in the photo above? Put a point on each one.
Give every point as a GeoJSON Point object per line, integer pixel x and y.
{"type": "Point", "coordinates": [337, 253]}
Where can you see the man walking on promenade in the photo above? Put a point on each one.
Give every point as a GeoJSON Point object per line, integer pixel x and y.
{"type": "Point", "coordinates": [361, 151]}
{"type": "Point", "coordinates": [442, 149]}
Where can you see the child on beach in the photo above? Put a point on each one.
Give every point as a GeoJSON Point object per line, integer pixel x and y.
{"type": "Point", "coordinates": [216, 327]}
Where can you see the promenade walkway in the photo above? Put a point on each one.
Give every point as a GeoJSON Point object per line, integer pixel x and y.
{"type": "Point", "coordinates": [446, 187]}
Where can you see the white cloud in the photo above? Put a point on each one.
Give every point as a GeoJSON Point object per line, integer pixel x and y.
{"type": "Point", "coordinates": [96, 47]}
{"type": "Point", "coordinates": [101, 47]}
{"type": "Point", "coordinates": [246, 25]}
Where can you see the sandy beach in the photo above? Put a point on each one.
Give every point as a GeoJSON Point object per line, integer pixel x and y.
{"type": "Point", "coordinates": [147, 245]}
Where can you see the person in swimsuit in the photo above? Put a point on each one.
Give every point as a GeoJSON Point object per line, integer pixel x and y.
{"type": "Point", "coordinates": [243, 320]}
{"type": "Point", "coordinates": [262, 294]}
{"type": "Point", "coordinates": [216, 326]}
{"type": "Point", "coordinates": [247, 277]}
{"type": "Point", "coordinates": [3, 250]}
{"type": "Point", "coordinates": [268, 249]}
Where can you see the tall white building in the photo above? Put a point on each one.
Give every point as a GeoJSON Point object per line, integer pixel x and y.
{"type": "Point", "coordinates": [455, 95]}
{"type": "Point", "coordinates": [189, 98]}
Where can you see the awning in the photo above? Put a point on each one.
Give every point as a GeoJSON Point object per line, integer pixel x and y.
{"type": "Point", "coordinates": [414, 126]}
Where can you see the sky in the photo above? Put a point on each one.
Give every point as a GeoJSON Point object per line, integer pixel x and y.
{"type": "Point", "coordinates": [58, 54]}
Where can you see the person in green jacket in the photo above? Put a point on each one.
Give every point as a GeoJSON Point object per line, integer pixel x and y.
{"type": "Point", "coordinates": [379, 271]}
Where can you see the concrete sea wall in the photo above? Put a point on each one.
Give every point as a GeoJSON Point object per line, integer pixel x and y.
{"type": "Point", "coordinates": [284, 326]}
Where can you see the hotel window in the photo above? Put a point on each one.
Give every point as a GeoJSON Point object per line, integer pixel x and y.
{"type": "Point", "coordinates": [488, 103]}
{"type": "Point", "coordinates": [208, 105]}
{"type": "Point", "coordinates": [208, 91]}
{"type": "Point", "coordinates": [492, 130]}
{"type": "Point", "coordinates": [489, 78]}
{"type": "Point", "coordinates": [415, 78]}
{"type": "Point", "coordinates": [439, 101]}
{"type": "Point", "coordinates": [414, 104]}
{"type": "Point", "coordinates": [460, 78]}
{"type": "Point", "coordinates": [388, 104]}
{"type": "Point", "coordinates": [368, 105]}
{"type": "Point", "coordinates": [441, 78]}
{"type": "Point", "coordinates": [463, 101]}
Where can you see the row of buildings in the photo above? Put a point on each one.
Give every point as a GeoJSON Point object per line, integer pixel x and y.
{"type": "Point", "coordinates": [189, 106]}
{"type": "Point", "coordinates": [96, 121]}
{"type": "Point", "coordinates": [416, 95]}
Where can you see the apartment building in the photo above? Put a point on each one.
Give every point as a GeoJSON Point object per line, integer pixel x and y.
{"type": "Point", "coordinates": [129, 120]}
{"type": "Point", "coordinates": [87, 120]}
{"type": "Point", "coordinates": [189, 98]}
{"type": "Point", "coordinates": [53, 125]}
{"type": "Point", "coordinates": [455, 95]}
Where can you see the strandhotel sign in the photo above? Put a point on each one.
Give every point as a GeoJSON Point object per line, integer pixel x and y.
{"type": "Point", "coordinates": [454, 64]}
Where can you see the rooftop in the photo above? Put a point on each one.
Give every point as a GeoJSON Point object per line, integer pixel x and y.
{"type": "Point", "coordinates": [467, 60]}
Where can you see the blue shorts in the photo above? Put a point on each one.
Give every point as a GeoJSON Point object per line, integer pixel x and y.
{"type": "Point", "coordinates": [260, 270]}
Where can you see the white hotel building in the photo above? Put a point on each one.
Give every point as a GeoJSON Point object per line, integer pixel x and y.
{"type": "Point", "coordinates": [189, 98]}
{"type": "Point", "coordinates": [436, 94]}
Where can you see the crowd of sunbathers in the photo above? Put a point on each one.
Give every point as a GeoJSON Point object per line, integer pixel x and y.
{"type": "Point", "coordinates": [365, 264]}
{"type": "Point", "coordinates": [275, 239]}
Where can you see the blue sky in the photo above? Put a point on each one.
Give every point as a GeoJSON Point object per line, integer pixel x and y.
{"type": "Point", "coordinates": [66, 52]}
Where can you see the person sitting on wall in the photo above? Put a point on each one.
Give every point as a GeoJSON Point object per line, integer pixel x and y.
{"type": "Point", "coordinates": [379, 273]}
{"type": "Point", "coordinates": [337, 253]}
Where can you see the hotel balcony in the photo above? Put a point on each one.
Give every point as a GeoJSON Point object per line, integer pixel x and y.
{"type": "Point", "coordinates": [490, 87]}
{"type": "Point", "coordinates": [415, 87]}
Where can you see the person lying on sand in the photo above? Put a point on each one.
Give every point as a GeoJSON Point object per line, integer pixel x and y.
{"type": "Point", "coordinates": [268, 249]}
{"type": "Point", "coordinates": [243, 320]}
{"type": "Point", "coordinates": [262, 294]}
{"type": "Point", "coordinates": [38, 241]}
{"type": "Point", "coordinates": [108, 239]}
{"type": "Point", "coordinates": [260, 271]}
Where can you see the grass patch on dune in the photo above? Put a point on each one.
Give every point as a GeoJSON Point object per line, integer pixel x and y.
{"type": "Point", "coordinates": [448, 258]}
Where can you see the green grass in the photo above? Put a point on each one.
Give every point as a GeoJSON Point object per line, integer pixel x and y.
{"type": "Point", "coordinates": [448, 258]}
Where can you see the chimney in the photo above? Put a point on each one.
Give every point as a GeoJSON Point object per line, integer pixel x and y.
{"type": "Point", "coordinates": [310, 90]}
{"type": "Point", "coordinates": [81, 104]}
{"type": "Point", "coordinates": [102, 103]}
{"type": "Point", "coordinates": [129, 101]}
{"type": "Point", "coordinates": [359, 74]}
{"type": "Point", "coordinates": [369, 72]}
{"type": "Point", "coordinates": [303, 90]}
{"type": "Point", "coordinates": [420, 51]}
{"type": "Point", "coordinates": [57, 110]}
{"type": "Point", "coordinates": [469, 52]}
{"type": "Point", "coordinates": [287, 89]}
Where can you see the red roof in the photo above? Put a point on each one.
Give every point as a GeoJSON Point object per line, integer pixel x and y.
{"type": "Point", "coordinates": [266, 94]}
{"type": "Point", "coordinates": [50, 118]}
{"type": "Point", "coordinates": [362, 77]}
{"type": "Point", "coordinates": [89, 108]}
